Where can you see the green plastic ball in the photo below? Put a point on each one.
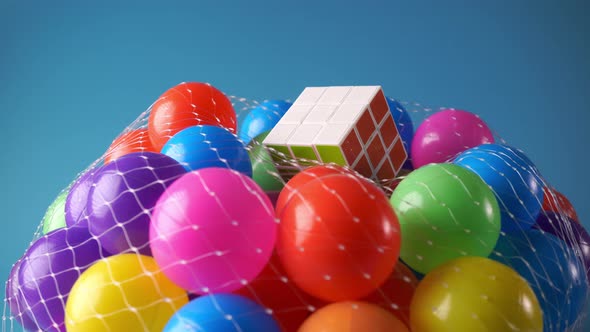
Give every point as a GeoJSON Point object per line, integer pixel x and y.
{"type": "Point", "coordinates": [264, 172]}
{"type": "Point", "coordinates": [445, 212]}
{"type": "Point", "coordinates": [55, 215]}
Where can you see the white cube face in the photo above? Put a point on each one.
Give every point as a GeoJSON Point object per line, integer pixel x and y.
{"type": "Point", "coordinates": [348, 113]}
{"type": "Point", "coordinates": [332, 134]}
{"type": "Point", "coordinates": [280, 134]}
{"type": "Point", "coordinates": [346, 125]}
{"type": "Point", "coordinates": [296, 114]}
{"type": "Point", "coordinates": [334, 95]}
{"type": "Point", "coordinates": [320, 114]}
{"type": "Point", "coordinates": [361, 94]}
{"type": "Point", "coordinates": [305, 134]}
{"type": "Point", "coordinates": [309, 96]}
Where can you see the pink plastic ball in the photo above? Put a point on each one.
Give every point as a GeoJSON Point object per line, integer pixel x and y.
{"type": "Point", "coordinates": [447, 133]}
{"type": "Point", "coordinates": [213, 230]}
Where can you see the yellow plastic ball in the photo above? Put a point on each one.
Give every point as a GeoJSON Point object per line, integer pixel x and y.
{"type": "Point", "coordinates": [123, 293]}
{"type": "Point", "coordinates": [474, 294]}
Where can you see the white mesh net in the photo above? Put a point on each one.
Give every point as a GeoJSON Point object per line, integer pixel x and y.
{"type": "Point", "coordinates": [214, 213]}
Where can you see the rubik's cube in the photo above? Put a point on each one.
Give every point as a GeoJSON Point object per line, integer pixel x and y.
{"type": "Point", "coordinates": [348, 126]}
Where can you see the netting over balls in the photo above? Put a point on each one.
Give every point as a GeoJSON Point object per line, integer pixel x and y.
{"type": "Point", "coordinates": [342, 210]}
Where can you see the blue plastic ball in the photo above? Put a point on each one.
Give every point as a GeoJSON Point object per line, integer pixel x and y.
{"type": "Point", "coordinates": [222, 313]}
{"type": "Point", "coordinates": [514, 179]}
{"type": "Point", "coordinates": [551, 269]}
{"type": "Point", "coordinates": [208, 146]}
{"type": "Point", "coordinates": [261, 119]}
{"type": "Point", "coordinates": [405, 127]}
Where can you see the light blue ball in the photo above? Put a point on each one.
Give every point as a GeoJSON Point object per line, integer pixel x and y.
{"type": "Point", "coordinates": [261, 119]}
{"type": "Point", "coordinates": [222, 313]}
{"type": "Point", "coordinates": [208, 146]}
{"type": "Point", "coordinates": [551, 269]}
{"type": "Point", "coordinates": [514, 179]}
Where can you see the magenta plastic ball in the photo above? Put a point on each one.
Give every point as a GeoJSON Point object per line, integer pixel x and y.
{"type": "Point", "coordinates": [124, 194]}
{"type": "Point", "coordinates": [213, 230]}
{"type": "Point", "coordinates": [48, 271]}
{"type": "Point", "coordinates": [447, 133]}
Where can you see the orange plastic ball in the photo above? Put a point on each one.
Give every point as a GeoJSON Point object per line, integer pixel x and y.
{"type": "Point", "coordinates": [132, 141]}
{"type": "Point", "coordinates": [339, 238]}
{"type": "Point", "coordinates": [303, 178]}
{"type": "Point", "coordinates": [352, 317]}
{"type": "Point", "coordinates": [189, 104]}
{"type": "Point", "coordinates": [396, 293]}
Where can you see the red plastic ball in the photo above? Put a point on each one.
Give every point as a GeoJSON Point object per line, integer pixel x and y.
{"type": "Point", "coordinates": [132, 141]}
{"type": "Point", "coordinates": [274, 290]}
{"type": "Point", "coordinates": [396, 293]}
{"type": "Point", "coordinates": [339, 238]}
{"type": "Point", "coordinates": [189, 104]}
{"type": "Point", "coordinates": [554, 201]}
{"type": "Point", "coordinates": [303, 178]}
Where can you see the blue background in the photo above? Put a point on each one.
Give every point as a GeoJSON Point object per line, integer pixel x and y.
{"type": "Point", "coordinates": [73, 75]}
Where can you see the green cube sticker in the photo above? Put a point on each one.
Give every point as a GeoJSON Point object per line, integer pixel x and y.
{"type": "Point", "coordinates": [307, 153]}
{"type": "Point", "coordinates": [280, 154]}
{"type": "Point", "coordinates": [331, 154]}
{"type": "Point", "coordinates": [280, 149]}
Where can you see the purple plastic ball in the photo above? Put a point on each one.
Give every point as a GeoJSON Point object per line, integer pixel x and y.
{"type": "Point", "coordinates": [569, 231]}
{"type": "Point", "coordinates": [75, 208]}
{"type": "Point", "coordinates": [49, 269]}
{"type": "Point", "coordinates": [15, 301]}
{"type": "Point", "coordinates": [123, 196]}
